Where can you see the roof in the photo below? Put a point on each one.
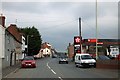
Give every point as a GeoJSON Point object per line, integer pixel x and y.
{"type": "Point", "coordinates": [104, 41]}
{"type": "Point", "coordinates": [13, 30]}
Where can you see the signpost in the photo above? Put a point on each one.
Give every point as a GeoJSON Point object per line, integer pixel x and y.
{"type": "Point", "coordinates": [77, 46]}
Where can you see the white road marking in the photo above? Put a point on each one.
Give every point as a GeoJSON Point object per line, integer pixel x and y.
{"type": "Point", "coordinates": [53, 71]}
{"type": "Point", "coordinates": [60, 78]}
{"type": "Point", "coordinates": [50, 68]}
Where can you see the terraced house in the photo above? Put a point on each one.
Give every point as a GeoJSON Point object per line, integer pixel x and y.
{"type": "Point", "coordinates": [11, 44]}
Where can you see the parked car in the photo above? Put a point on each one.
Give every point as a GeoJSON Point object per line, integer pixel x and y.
{"type": "Point", "coordinates": [28, 61]}
{"type": "Point", "coordinates": [103, 57]}
{"type": "Point", "coordinates": [63, 59]}
{"type": "Point", "coordinates": [84, 60]}
{"type": "Point", "coordinates": [54, 56]}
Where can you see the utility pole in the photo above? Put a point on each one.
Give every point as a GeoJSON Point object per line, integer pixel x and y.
{"type": "Point", "coordinates": [80, 35]}
{"type": "Point", "coordinates": [96, 33]}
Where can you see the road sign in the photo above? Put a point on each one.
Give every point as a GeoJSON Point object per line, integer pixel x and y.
{"type": "Point", "coordinates": [77, 40]}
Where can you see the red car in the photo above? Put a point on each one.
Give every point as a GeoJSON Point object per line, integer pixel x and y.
{"type": "Point", "coordinates": [28, 61]}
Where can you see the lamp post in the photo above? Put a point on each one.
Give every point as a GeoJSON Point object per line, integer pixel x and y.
{"type": "Point", "coordinates": [80, 29]}
{"type": "Point", "coordinates": [96, 33]}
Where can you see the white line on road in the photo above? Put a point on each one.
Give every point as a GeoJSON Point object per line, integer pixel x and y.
{"type": "Point", "coordinates": [50, 68]}
{"type": "Point", "coordinates": [53, 71]}
{"type": "Point", "coordinates": [60, 78]}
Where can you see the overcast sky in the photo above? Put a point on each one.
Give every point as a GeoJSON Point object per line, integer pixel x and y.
{"type": "Point", "coordinates": [57, 22]}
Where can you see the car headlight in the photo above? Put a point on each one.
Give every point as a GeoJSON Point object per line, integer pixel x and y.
{"type": "Point", "coordinates": [33, 62]}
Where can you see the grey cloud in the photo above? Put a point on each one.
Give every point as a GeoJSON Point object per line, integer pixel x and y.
{"type": "Point", "coordinates": [52, 27]}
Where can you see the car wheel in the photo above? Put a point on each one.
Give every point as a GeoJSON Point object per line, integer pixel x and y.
{"type": "Point", "coordinates": [66, 62]}
{"type": "Point", "coordinates": [59, 62]}
{"type": "Point", "coordinates": [76, 65]}
{"type": "Point", "coordinates": [94, 66]}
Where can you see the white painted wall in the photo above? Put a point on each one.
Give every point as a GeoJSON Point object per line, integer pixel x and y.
{"type": "Point", "coordinates": [46, 51]}
{"type": "Point", "coordinates": [2, 41]}
{"type": "Point", "coordinates": [23, 43]}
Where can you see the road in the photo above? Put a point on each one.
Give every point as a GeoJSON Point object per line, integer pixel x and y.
{"type": "Point", "coordinates": [50, 68]}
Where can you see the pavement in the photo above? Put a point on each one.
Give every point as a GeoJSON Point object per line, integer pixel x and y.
{"type": "Point", "coordinates": [10, 69]}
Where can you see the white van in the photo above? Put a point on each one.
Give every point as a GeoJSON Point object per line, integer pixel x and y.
{"type": "Point", "coordinates": [84, 60]}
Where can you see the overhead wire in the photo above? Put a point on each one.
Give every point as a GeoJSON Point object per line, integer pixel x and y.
{"type": "Point", "coordinates": [90, 27]}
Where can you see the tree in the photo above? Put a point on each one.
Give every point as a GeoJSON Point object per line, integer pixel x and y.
{"type": "Point", "coordinates": [34, 39]}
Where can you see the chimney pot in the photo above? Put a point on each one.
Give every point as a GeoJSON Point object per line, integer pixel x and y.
{"type": "Point", "coordinates": [2, 20]}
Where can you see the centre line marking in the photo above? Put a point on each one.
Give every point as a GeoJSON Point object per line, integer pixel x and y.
{"type": "Point", "coordinates": [48, 66]}
{"type": "Point", "coordinates": [53, 71]}
{"type": "Point", "coordinates": [60, 78]}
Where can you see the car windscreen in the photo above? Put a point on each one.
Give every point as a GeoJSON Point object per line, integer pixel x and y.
{"type": "Point", "coordinates": [86, 57]}
{"type": "Point", "coordinates": [63, 57]}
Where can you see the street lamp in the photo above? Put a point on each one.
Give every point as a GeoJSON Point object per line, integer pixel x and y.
{"type": "Point", "coordinates": [96, 33]}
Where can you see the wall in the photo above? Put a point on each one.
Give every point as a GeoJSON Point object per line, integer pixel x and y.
{"type": "Point", "coordinates": [108, 64]}
{"type": "Point", "coordinates": [70, 51]}
{"type": "Point", "coordinates": [9, 47]}
{"type": "Point", "coordinates": [2, 41]}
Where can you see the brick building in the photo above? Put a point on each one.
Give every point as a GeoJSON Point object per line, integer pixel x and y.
{"type": "Point", "coordinates": [89, 46]}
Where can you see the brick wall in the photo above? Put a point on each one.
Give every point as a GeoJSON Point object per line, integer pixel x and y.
{"type": "Point", "coordinates": [108, 64]}
{"type": "Point", "coordinates": [70, 51]}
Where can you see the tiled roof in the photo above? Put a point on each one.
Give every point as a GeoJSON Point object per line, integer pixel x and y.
{"type": "Point", "coordinates": [14, 31]}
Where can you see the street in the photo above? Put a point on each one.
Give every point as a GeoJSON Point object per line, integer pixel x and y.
{"type": "Point", "coordinates": [50, 68]}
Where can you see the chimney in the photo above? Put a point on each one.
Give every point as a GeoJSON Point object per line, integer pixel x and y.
{"type": "Point", "coordinates": [2, 20]}
{"type": "Point", "coordinates": [69, 44]}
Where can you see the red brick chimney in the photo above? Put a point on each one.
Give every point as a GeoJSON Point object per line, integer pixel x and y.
{"type": "Point", "coordinates": [2, 20]}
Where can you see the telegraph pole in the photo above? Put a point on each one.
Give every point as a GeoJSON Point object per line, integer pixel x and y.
{"type": "Point", "coordinates": [80, 35]}
{"type": "Point", "coordinates": [96, 33]}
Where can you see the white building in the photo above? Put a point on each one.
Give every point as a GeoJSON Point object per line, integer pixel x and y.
{"type": "Point", "coordinates": [2, 43]}
{"type": "Point", "coordinates": [45, 50]}
{"type": "Point", "coordinates": [23, 48]}
{"type": "Point", "coordinates": [23, 43]}
{"type": "Point", "coordinates": [2, 36]}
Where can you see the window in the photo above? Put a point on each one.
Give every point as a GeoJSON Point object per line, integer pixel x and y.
{"type": "Point", "coordinates": [79, 58]}
{"type": "Point", "coordinates": [86, 57]}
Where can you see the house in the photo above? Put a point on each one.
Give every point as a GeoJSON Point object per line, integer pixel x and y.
{"type": "Point", "coordinates": [16, 42]}
{"type": "Point", "coordinates": [11, 47]}
{"type": "Point", "coordinates": [108, 47]}
{"type": "Point", "coordinates": [70, 50]}
{"type": "Point", "coordinates": [2, 41]}
{"type": "Point", "coordinates": [45, 49]}
{"type": "Point", "coordinates": [23, 47]}
{"type": "Point", "coordinates": [10, 54]}
{"type": "Point", "coordinates": [2, 36]}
